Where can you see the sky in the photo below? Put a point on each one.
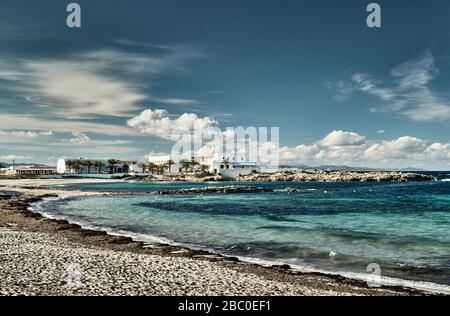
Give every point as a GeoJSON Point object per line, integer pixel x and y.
{"type": "Point", "coordinates": [340, 92]}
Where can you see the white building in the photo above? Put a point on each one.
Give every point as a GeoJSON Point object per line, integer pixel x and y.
{"type": "Point", "coordinates": [227, 167]}
{"type": "Point", "coordinates": [29, 171]}
{"type": "Point", "coordinates": [97, 166]}
{"type": "Point", "coordinates": [165, 160]}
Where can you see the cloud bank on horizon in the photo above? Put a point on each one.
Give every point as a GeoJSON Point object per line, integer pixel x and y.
{"type": "Point", "coordinates": [337, 148]}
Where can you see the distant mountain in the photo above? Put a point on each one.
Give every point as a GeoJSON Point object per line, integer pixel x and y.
{"type": "Point", "coordinates": [332, 168]}
{"type": "Point", "coordinates": [343, 168]}
{"type": "Point", "coordinates": [348, 168]}
{"type": "Point", "coordinates": [409, 169]}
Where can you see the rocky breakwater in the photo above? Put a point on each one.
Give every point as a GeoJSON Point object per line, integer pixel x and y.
{"type": "Point", "coordinates": [216, 190]}
{"type": "Point", "coordinates": [335, 176]}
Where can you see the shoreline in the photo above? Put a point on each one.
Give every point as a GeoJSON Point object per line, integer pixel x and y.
{"type": "Point", "coordinates": [15, 214]}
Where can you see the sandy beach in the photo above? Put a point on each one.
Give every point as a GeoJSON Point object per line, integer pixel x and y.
{"type": "Point", "coordinates": [41, 256]}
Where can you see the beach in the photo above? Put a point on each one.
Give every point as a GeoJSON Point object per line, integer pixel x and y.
{"type": "Point", "coordinates": [43, 256]}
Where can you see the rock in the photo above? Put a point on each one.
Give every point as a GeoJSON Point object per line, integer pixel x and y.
{"type": "Point", "coordinates": [335, 176]}
{"type": "Point", "coordinates": [92, 233]}
{"type": "Point", "coordinates": [282, 267]}
{"type": "Point", "coordinates": [120, 240]}
{"type": "Point", "coordinates": [217, 190]}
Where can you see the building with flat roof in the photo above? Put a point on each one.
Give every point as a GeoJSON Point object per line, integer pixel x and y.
{"type": "Point", "coordinates": [31, 171]}
{"type": "Point", "coordinates": [97, 166]}
{"type": "Point", "coordinates": [227, 167]}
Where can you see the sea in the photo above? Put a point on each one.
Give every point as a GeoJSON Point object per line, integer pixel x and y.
{"type": "Point", "coordinates": [401, 229]}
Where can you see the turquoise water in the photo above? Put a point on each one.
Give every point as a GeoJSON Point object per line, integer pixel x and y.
{"type": "Point", "coordinates": [405, 228]}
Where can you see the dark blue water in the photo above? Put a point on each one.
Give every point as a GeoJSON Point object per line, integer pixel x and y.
{"type": "Point", "coordinates": [403, 227]}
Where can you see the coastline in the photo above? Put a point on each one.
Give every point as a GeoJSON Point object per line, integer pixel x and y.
{"type": "Point", "coordinates": [216, 271]}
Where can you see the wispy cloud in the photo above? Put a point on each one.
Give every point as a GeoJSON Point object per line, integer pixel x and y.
{"type": "Point", "coordinates": [177, 101]}
{"type": "Point", "coordinates": [105, 82]}
{"type": "Point", "coordinates": [15, 157]}
{"type": "Point", "coordinates": [74, 87]}
{"type": "Point", "coordinates": [25, 134]}
{"type": "Point", "coordinates": [408, 91]}
{"type": "Point", "coordinates": [16, 121]}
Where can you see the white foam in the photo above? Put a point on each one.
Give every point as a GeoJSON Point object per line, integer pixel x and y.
{"type": "Point", "coordinates": [366, 277]}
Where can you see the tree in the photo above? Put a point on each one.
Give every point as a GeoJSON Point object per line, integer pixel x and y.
{"type": "Point", "coordinates": [152, 167]}
{"type": "Point", "coordinates": [112, 165]}
{"type": "Point", "coordinates": [204, 169]}
{"type": "Point", "coordinates": [226, 163]}
{"type": "Point", "coordinates": [169, 164]}
{"type": "Point", "coordinates": [88, 164]}
{"type": "Point", "coordinates": [69, 165]}
{"type": "Point", "coordinates": [99, 166]}
{"type": "Point", "coordinates": [143, 166]}
{"type": "Point", "coordinates": [161, 169]}
{"type": "Point", "coordinates": [185, 164]}
{"type": "Point", "coordinates": [193, 164]}
{"type": "Point", "coordinates": [126, 168]}
{"type": "Point", "coordinates": [77, 165]}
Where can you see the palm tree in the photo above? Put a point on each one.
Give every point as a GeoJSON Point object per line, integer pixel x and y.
{"type": "Point", "coordinates": [99, 166]}
{"type": "Point", "coordinates": [88, 164]}
{"type": "Point", "coordinates": [204, 169]}
{"type": "Point", "coordinates": [143, 166]}
{"type": "Point", "coordinates": [185, 164]}
{"type": "Point", "coordinates": [169, 164]}
{"type": "Point", "coordinates": [77, 165]}
{"type": "Point", "coordinates": [126, 168]}
{"type": "Point", "coordinates": [69, 165]}
{"type": "Point", "coordinates": [112, 165]}
{"type": "Point", "coordinates": [161, 169]}
{"type": "Point", "coordinates": [226, 163]}
{"type": "Point", "coordinates": [151, 167]}
{"type": "Point", "coordinates": [194, 164]}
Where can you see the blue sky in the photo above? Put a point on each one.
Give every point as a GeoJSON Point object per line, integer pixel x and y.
{"type": "Point", "coordinates": [340, 92]}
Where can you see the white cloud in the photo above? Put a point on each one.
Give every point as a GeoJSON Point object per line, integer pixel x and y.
{"type": "Point", "coordinates": [338, 147]}
{"type": "Point", "coordinates": [407, 93]}
{"type": "Point", "coordinates": [341, 138]}
{"type": "Point", "coordinates": [160, 124]}
{"type": "Point", "coordinates": [402, 148]}
{"type": "Point", "coordinates": [401, 152]}
{"type": "Point", "coordinates": [79, 138]}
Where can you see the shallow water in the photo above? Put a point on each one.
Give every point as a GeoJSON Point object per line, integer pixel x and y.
{"type": "Point", "coordinates": [405, 228]}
